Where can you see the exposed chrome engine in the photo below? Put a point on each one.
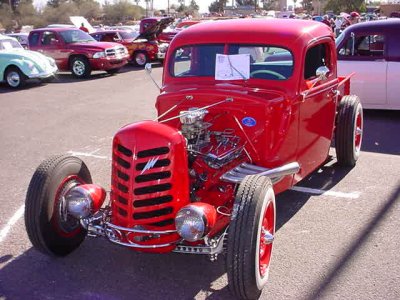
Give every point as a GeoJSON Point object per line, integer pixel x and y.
{"type": "Point", "coordinates": [217, 148]}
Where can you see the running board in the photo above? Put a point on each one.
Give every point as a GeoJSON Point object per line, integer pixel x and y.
{"type": "Point", "coordinates": [237, 174]}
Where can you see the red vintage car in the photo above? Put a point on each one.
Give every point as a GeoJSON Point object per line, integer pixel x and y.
{"type": "Point", "coordinates": [247, 109]}
{"type": "Point", "coordinates": [76, 51]}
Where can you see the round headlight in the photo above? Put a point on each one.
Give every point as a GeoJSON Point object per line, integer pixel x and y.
{"type": "Point", "coordinates": [194, 221]}
{"type": "Point", "coordinates": [79, 202]}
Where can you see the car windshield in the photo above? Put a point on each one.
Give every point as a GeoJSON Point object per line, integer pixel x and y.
{"type": "Point", "coordinates": [126, 35]}
{"type": "Point", "coordinates": [8, 44]}
{"type": "Point", "coordinates": [240, 62]}
{"type": "Point", "coordinates": [76, 36]}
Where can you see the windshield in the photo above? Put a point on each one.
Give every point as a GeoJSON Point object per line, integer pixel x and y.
{"type": "Point", "coordinates": [240, 62]}
{"type": "Point", "coordinates": [8, 44]}
{"type": "Point", "coordinates": [126, 35]}
{"type": "Point", "coordinates": [76, 36]}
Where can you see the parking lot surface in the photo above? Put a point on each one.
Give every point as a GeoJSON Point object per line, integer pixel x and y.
{"type": "Point", "coordinates": [337, 232]}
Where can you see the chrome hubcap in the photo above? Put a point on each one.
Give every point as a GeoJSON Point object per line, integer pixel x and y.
{"type": "Point", "coordinates": [13, 79]}
{"type": "Point", "coordinates": [267, 237]}
{"type": "Point", "coordinates": [78, 68]}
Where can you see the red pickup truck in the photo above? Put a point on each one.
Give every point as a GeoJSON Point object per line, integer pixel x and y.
{"type": "Point", "coordinates": [76, 51]}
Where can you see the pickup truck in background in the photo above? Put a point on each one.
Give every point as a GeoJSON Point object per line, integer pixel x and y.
{"type": "Point", "coordinates": [78, 52]}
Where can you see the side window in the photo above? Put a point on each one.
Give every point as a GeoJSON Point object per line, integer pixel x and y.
{"type": "Point", "coordinates": [34, 39]}
{"type": "Point", "coordinates": [316, 57]}
{"type": "Point", "coordinates": [97, 37]}
{"type": "Point", "coordinates": [364, 46]}
{"type": "Point", "coordinates": [47, 38]}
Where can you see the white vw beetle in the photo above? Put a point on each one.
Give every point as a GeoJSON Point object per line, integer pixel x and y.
{"type": "Point", "coordinates": [18, 65]}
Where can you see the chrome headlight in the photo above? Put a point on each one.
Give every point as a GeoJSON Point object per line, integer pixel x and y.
{"type": "Point", "coordinates": [194, 221]}
{"type": "Point", "coordinates": [99, 54]}
{"type": "Point", "coordinates": [84, 200]}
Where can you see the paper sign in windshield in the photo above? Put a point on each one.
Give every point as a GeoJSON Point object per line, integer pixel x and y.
{"type": "Point", "coordinates": [232, 67]}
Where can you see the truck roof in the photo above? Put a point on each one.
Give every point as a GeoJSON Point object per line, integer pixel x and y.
{"type": "Point", "coordinates": [262, 31]}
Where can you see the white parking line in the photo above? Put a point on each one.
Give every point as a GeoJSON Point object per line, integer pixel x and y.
{"type": "Point", "coordinates": [352, 195]}
{"type": "Point", "coordinates": [11, 222]}
{"type": "Point", "coordinates": [88, 154]}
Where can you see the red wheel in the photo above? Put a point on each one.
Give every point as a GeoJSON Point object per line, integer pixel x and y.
{"type": "Point", "coordinates": [266, 238]}
{"type": "Point", "coordinates": [349, 131]}
{"type": "Point", "coordinates": [50, 228]}
{"type": "Point", "coordinates": [250, 237]}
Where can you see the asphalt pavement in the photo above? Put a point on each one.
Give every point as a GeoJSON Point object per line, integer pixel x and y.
{"type": "Point", "coordinates": [337, 231]}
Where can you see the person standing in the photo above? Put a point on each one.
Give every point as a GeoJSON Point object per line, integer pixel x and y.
{"type": "Point", "coordinates": [83, 28]}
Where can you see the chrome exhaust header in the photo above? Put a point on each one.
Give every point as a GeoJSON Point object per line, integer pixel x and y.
{"type": "Point", "coordinates": [237, 174]}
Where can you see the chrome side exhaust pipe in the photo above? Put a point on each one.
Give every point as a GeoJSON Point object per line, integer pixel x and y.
{"type": "Point", "coordinates": [237, 174]}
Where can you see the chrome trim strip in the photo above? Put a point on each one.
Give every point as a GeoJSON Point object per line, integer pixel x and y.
{"type": "Point", "coordinates": [109, 225]}
{"type": "Point", "coordinates": [237, 174]}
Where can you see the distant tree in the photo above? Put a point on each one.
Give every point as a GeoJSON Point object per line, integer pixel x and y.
{"type": "Point", "coordinates": [55, 3]}
{"type": "Point", "coordinates": [245, 2]}
{"type": "Point", "coordinates": [6, 20]}
{"type": "Point", "coordinates": [307, 5]}
{"type": "Point", "coordinates": [338, 6]}
{"type": "Point", "coordinates": [14, 3]}
{"type": "Point", "coordinates": [193, 5]}
{"type": "Point", "coordinates": [121, 11]}
{"type": "Point", "coordinates": [26, 14]}
{"type": "Point", "coordinates": [217, 6]}
{"type": "Point", "coordinates": [90, 9]}
{"type": "Point", "coordinates": [61, 13]}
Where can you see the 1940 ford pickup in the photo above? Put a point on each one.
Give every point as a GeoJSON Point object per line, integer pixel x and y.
{"type": "Point", "coordinates": [247, 109]}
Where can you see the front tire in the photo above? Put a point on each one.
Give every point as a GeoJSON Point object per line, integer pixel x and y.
{"type": "Point", "coordinates": [15, 78]}
{"type": "Point", "coordinates": [50, 229]}
{"type": "Point", "coordinates": [250, 237]}
{"type": "Point", "coordinates": [349, 131]}
{"type": "Point", "coordinates": [80, 67]}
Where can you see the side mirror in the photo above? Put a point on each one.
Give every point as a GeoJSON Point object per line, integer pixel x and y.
{"type": "Point", "coordinates": [148, 68]}
{"type": "Point", "coordinates": [322, 72]}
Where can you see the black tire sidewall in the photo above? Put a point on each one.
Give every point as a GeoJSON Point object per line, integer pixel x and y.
{"type": "Point", "coordinates": [244, 234]}
{"type": "Point", "coordinates": [346, 151]}
{"type": "Point", "coordinates": [46, 237]}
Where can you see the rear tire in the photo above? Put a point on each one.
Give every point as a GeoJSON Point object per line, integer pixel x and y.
{"type": "Point", "coordinates": [250, 237]}
{"type": "Point", "coordinates": [14, 78]}
{"type": "Point", "coordinates": [349, 131]}
{"type": "Point", "coordinates": [140, 59]}
{"type": "Point", "coordinates": [80, 67]}
{"type": "Point", "coordinates": [50, 229]}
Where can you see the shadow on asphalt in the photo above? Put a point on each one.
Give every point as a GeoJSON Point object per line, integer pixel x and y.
{"type": "Point", "coordinates": [318, 291]}
{"type": "Point", "coordinates": [377, 123]}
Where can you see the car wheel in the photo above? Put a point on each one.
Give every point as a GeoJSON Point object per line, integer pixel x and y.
{"type": "Point", "coordinates": [50, 229]}
{"type": "Point", "coordinates": [15, 78]}
{"type": "Point", "coordinates": [349, 131]}
{"type": "Point", "coordinates": [140, 59]}
{"type": "Point", "coordinates": [113, 71]}
{"type": "Point", "coordinates": [250, 237]}
{"type": "Point", "coordinates": [80, 67]}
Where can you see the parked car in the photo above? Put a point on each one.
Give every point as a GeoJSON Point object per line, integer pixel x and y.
{"type": "Point", "coordinates": [233, 129]}
{"type": "Point", "coordinates": [18, 65]}
{"type": "Point", "coordinates": [140, 51]}
{"type": "Point", "coordinates": [372, 51]}
{"type": "Point", "coordinates": [22, 38]}
{"type": "Point", "coordinates": [78, 52]}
